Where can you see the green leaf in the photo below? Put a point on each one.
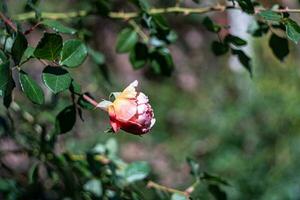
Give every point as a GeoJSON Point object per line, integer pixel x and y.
{"type": "Point", "coordinates": [271, 15]}
{"type": "Point", "coordinates": [33, 173]}
{"type": "Point", "coordinates": [94, 186]}
{"type": "Point", "coordinates": [247, 6]}
{"type": "Point", "coordinates": [65, 120]}
{"type": "Point", "coordinates": [142, 4]}
{"type": "Point", "coordinates": [31, 89]}
{"type": "Point", "coordinates": [73, 53]}
{"type": "Point", "coordinates": [219, 48]}
{"type": "Point", "coordinates": [8, 44]}
{"type": "Point", "coordinates": [216, 191]}
{"type": "Point", "coordinates": [58, 27]}
{"type": "Point", "coordinates": [112, 147]}
{"type": "Point", "coordinates": [97, 56]}
{"type": "Point", "coordinates": [162, 62]}
{"type": "Point", "coordinates": [3, 9]}
{"type": "Point", "coordinates": [75, 87]}
{"type": "Point", "coordinates": [147, 21]}
{"type": "Point", "coordinates": [292, 30]}
{"type": "Point", "coordinates": [156, 42]}
{"type": "Point", "coordinates": [237, 41]}
{"type": "Point", "coordinates": [7, 99]}
{"type": "Point", "coordinates": [85, 104]}
{"type": "Point", "coordinates": [126, 40]}
{"type": "Point", "coordinates": [136, 171]}
{"type": "Point", "coordinates": [49, 47]}
{"type": "Point", "coordinates": [257, 28]}
{"type": "Point", "coordinates": [28, 53]}
{"type": "Point", "coordinates": [103, 6]}
{"type": "Point", "coordinates": [176, 196]}
{"type": "Point", "coordinates": [7, 184]}
{"type": "Point", "coordinates": [197, 192]}
{"type": "Point", "coordinates": [3, 57]}
{"type": "Point", "coordinates": [7, 83]}
{"type": "Point", "coordinates": [4, 76]}
{"type": "Point", "coordinates": [244, 60]}
{"type": "Point", "coordinates": [19, 46]}
{"type": "Point", "coordinates": [215, 179]}
{"type": "Point", "coordinates": [279, 46]}
{"type": "Point", "coordinates": [99, 59]}
{"type": "Point", "coordinates": [139, 55]}
{"type": "Point", "coordinates": [194, 166]}
{"type": "Point", "coordinates": [172, 36]}
{"type": "Point", "coordinates": [31, 5]}
{"type": "Point", "coordinates": [160, 22]}
{"type": "Point", "coordinates": [210, 25]}
{"type": "Point", "coordinates": [56, 78]}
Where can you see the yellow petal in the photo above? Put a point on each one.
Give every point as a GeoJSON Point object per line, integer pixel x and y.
{"type": "Point", "coordinates": [130, 91]}
{"type": "Point", "coordinates": [125, 109]}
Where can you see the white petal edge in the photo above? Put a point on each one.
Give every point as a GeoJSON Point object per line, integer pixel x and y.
{"type": "Point", "coordinates": [134, 84]}
{"type": "Point", "coordinates": [152, 122]}
{"type": "Point", "coordinates": [142, 98]}
{"type": "Point", "coordinates": [103, 105]}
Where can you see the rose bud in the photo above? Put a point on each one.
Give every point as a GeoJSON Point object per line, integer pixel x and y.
{"type": "Point", "coordinates": [130, 111]}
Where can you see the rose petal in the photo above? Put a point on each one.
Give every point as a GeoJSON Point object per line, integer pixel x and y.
{"type": "Point", "coordinates": [130, 91]}
{"type": "Point", "coordinates": [142, 98]}
{"type": "Point", "coordinates": [131, 111]}
{"type": "Point", "coordinates": [152, 122]}
{"type": "Point", "coordinates": [104, 105]}
{"type": "Point", "coordinates": [115, 126]}
{"type": "Point", "coordinates": [141, 108]}
{"type": "Point", "coordinates": [113, 121]}
{"type": "Point", "coordinates": [124, 109]}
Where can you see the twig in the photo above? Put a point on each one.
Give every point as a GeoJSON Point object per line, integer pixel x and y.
{"type": "Point", "coordinates": [32, 28]}
{"type": "Point", "coordinates": [100, 158]}
{"type": "Point", "coordinates": [130, 15]}
{"type": "Point", "coordinates": [124, 15]}
{"type": "Point", "coordinates": [139, 30]}
{"type": "Point", "coordinates": [8, 22]}
{"type": "Point", "coordinates": [43, 62]}
{"type": "Point", "coordinates": [191, 188]}
{"type": "Point", "coordinates": [286, 10]}
{"type": "Point", "coordinates": [51, 15]}
{"type": "Point", "coordinates": [157, 186]}
{"type": "Point", "coordinates": [90, 100]}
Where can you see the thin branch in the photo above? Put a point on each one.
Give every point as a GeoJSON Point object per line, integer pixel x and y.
{"type": "Point", "coordinates": [157, 186]}
{"type": "Point", "coordinates": [43, 62]}
{"type": "Point", "coordinates": [101, 158]}
{"type": "Point", "coordinates": [90, 100]}
{"type": "Point", "coordinates": [124, 15]}
{"type": "Point", "coordinates": [131, 15]}
{"type": "Point", "coordinates": [191, 188]}
{"type": "Point", "coordinates": [51, 15]}
{"type": "Point", "coordinates": [175, 9]}
{"type": "Point", "coordinates": [32, 28]}
{"type": "Point", "coordinates": [286, 10]}
{"type": "Point", "coordinates": [8, 22]}
{"type": "Point", "coordinates": [139, 30]}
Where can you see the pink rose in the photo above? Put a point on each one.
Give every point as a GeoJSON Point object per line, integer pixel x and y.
{"type": "Point", "coordinates": [130, 111]}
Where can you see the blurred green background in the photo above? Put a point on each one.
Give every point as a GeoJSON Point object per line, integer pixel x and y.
{"type": "Point", "coordinates": [245, 130]}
